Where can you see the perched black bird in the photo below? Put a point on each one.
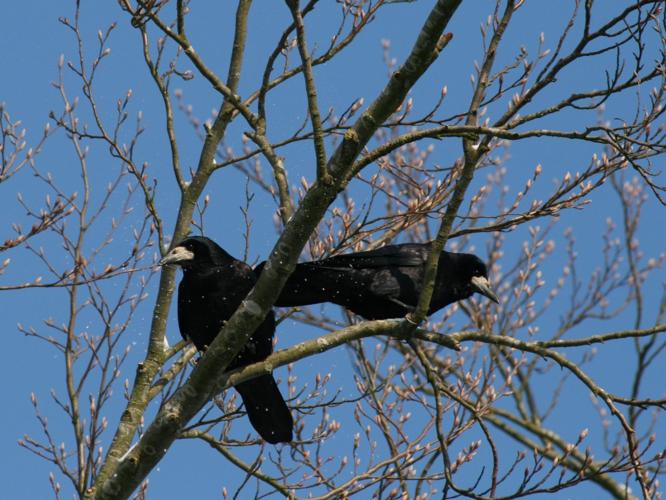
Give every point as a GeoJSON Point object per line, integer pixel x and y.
{"type": "Point", "coordinates": [384, 283]}
{"type": "Point", "coordinates": [213, 286]}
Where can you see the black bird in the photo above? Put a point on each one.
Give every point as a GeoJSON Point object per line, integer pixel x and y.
{"type": "Point", "coordinates": [213, 286]}
{"type": "Point", "coordinates": [384, 283]}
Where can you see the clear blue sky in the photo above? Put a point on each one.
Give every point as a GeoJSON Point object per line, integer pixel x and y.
{"type": "Point", "coordinates": [34, 39]}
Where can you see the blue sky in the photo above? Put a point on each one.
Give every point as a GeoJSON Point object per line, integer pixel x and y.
{"type": "Point", "coordinates": [34, 40]}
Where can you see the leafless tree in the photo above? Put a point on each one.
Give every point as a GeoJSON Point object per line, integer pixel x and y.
{"type": "Point", "coordinates": [462, 404]}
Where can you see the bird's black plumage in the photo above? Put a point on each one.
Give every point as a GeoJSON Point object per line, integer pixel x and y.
{"type": "Point", "coordinates": [213, 286]}
{"type": "Point", "coordinates": [384, 283]}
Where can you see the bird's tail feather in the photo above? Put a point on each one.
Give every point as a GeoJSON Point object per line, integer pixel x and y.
{"type": "Point", "coordinates": [307, 285]}
{"type": "Point", "coordinates": [266, 409]}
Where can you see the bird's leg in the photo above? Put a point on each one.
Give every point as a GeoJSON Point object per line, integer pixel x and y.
{"type": "Point", "coordinates": [401, 304]}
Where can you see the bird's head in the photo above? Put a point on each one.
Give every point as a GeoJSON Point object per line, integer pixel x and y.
{"type": "Point", "coordinates": [475, 270]}
{"type": "Point", "coordinates": [197, 251]}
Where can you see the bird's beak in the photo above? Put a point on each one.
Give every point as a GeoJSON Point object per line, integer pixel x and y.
{"type": "Point", "coordinates": [178, 254]}
{"type": "Point", "coordinates": [480, 284]}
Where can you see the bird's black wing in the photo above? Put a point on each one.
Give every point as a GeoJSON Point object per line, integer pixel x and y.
{"type": "Point", "coordinates": [405, 255]}
{"type": "Point", "coordinates": [362, 281]}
